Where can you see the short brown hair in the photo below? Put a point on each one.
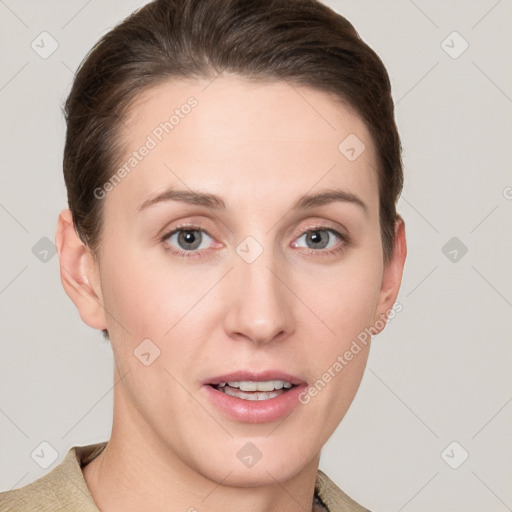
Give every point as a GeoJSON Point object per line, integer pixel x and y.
{"type": "Point", "coordinates": [301, 41]}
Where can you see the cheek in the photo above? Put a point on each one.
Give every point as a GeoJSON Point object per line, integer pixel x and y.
{"type": "Point", "coordinates": [345, 305]}
{"type": "Point", "coordinates": [345, 298]}
{"type": "Point", "coordinates": [147, 308]}
{"type": "Point", "coordinates": [147, 297]}
{"type": "Point", "coordinates": [158, 301]}
{"type": "Point", "coordinates": [133, 299]}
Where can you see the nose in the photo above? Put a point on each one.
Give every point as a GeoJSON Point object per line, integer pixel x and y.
{"type": "Point", "coordinates": [260, 303]}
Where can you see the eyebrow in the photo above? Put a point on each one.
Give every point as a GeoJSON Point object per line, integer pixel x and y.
{"type": "Point", "coordinates": [307, 201]}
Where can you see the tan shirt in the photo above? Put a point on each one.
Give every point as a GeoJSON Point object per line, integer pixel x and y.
{"type": "Point", "coordinates": [64, 489]}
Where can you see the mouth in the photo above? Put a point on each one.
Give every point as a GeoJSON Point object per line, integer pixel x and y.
{"type": "Point", "coordinates": [254, 390]}
{"type": "Point", "coordinates": [254, 397]}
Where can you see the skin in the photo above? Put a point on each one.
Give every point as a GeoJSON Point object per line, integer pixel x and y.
{"type": "Point", "coordinates": [259, 146]}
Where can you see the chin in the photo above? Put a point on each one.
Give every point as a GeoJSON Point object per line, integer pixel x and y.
{"type": "Point", "coordinates": [257, 476]}
{"type": "Point", "coordinates": [255, 462]}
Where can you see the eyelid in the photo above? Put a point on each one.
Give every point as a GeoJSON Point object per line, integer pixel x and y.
{"type": "Point", "coordinates": [324, 225]}
{"type": "Point", "coordinates": [185, 227]}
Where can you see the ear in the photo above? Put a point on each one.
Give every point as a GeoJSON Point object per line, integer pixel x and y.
{"type": "Point", "coordinates": [79, 273]}
{"type": "Point", "coordinates": [392, 278]}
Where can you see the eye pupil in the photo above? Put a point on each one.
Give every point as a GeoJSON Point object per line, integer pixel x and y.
{"type": "Point", "coordinates": [190, 237]}
{"type": "Point", "coordinates": [315, 237]}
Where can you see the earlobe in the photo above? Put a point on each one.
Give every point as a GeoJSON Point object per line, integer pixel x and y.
{"type": "Point", "coordinates": [79, 273]}
{"type": "Point", "coordinates": [392, 277]}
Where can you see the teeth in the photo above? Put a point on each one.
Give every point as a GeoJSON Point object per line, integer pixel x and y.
{"type": "Point", "coordinates": [259, 395]}
{"type": "Point", "coordinates": [248, 385]}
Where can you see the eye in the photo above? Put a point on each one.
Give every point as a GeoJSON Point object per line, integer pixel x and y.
{"type": "Point", "coordinates": [191, 241]}
{"type": "Point", "coordinates": [321, 238]}
{"type": "Point", "coordinates": [188, 239]}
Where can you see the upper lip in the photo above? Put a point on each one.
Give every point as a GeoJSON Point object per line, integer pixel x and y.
{"type": "Point", "coordinates": [255, 376]}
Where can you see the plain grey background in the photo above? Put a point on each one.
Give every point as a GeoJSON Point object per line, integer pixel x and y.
{"type": "Point", "coordinates": [430, 426]}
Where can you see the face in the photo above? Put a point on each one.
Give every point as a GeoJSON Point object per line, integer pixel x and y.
{"type": "Point", "coordinates": [242, 247]}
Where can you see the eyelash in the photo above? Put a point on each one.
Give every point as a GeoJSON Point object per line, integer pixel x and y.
{"type": "Point", "coordinates": [196, 253]}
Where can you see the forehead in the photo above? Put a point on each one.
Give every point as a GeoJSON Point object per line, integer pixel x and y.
{"type": "Point", "coordinates": [262, 142]}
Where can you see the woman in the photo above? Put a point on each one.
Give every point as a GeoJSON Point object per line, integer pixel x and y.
{"type": "Point", "coordinates": [232, 171]}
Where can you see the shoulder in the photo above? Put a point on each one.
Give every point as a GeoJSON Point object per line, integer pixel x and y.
{"type": "Point", "coordinates": [333, 497]}
{"type": "Point", "coordinates": [62, 489]}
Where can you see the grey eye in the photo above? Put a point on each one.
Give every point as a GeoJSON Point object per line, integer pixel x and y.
{"type": "Point", "coordinates": [189, 239]}
{"type": "Point", "coordinates": [318, 239]}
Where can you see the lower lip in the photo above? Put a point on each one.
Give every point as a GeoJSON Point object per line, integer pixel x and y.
{"type": "Point", "coordinates": [255, 411]}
